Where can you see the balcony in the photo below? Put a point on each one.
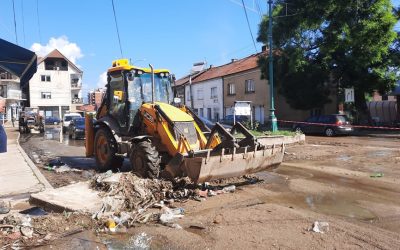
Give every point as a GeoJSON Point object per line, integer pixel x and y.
{"type": "Point", "coordinates": [76, 81]}
{"type": "Point", "coordinates": [77, 101]}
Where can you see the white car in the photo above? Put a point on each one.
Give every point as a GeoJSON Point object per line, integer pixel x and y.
{"type": "Point", "coordinates": [68, 118]}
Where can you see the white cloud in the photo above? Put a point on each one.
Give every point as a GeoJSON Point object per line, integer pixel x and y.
{"type": "Point", "coordinates": [101, 83]}
{"type": "Point", "coordinates": [67, 48]}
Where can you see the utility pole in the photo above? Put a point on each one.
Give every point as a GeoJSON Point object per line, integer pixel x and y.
{"type": "Point", "coordinates": [272, 117]}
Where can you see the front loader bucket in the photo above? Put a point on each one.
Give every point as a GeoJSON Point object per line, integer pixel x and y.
{"type": "Point", "coordinates": [207, 166]}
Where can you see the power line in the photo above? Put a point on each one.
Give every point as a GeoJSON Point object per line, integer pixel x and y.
{"type": "Point", "coordinates": [23, 20]}
{"type": "Point", "coordinates": [116, 25]}
{"type": "Point", "coordinates": [38, 20]}
{"type": "Point", "coordinates": [15, 23]}
{"type": "Point", "coordinates": [248, 24]}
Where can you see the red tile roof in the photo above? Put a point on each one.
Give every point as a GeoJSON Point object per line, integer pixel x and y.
{"type": "Point", "coordinates": [57, 54]}
{"type": "Point", "coordinates": [240, 65]}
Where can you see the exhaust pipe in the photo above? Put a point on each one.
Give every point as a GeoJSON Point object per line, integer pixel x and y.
{"type": "Point", "coordinates": [152, 83]}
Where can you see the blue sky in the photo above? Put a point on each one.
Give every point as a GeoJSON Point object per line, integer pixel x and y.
{"type": "Point", "coordinates": [169, 34]}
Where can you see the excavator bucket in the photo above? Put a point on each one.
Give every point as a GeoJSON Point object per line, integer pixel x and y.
{"type": "Point", "coordinates": [231, 158]}
{"type": "Point", "coordinates": [206, 167]}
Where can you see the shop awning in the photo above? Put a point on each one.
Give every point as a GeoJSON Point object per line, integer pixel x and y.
{"type": "Point", "coordinates": [17, 61]}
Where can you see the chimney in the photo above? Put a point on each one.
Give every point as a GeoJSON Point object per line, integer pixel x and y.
{"type": "Point", "coordinates": [211, 66]}
{"type": "Point", "coordinates": [264, 48]}
{"type": "Point", "coordinates": [233, 60]}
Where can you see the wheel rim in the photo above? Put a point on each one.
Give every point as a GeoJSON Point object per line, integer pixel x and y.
{"type": "Point", "coordinates": [329, 132]}
{"type": "Point", "coordinates": [102, 149]}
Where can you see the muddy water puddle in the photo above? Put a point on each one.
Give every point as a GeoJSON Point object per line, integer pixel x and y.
{"type": "Point", "coordinates": [54, 133]}
{"type": "Point", "coordinates": [345, 200]}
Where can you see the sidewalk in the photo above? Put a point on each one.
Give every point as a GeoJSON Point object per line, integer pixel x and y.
{"type": "Point", "coordinates": [18, 174]}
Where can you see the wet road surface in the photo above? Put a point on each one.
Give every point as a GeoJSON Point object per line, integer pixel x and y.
{"type": "Point", "coordinates": [327, 178]}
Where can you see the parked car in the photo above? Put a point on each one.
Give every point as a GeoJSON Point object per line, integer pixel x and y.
{"type": "Point", "coordinates": [68, 118]}
{"type": "Point", "coordinates": [329, 125]}
{"type": "Point", "coordinates": [211, 124]}
{"type": "Point", "coordinates": [76, 128]}
{"type": "Point", "coordinates": [239, 118]}
{"type": "Point", "coordinates": [51, 120]}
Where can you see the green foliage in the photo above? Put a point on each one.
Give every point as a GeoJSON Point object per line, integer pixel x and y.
{"type": "Point", "coordinates": [247, 124]}
{"type": "Point", "coordinates": [326, 43]}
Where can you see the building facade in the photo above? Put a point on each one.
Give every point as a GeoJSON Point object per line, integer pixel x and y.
{"type": "Point", "coordinates": [95, 97]}
{"type": "Point", "coordinates": [56, 88]}
{"type": "Point", "coordinates": [207, 98]}
{"type": "Point", "coordinates": [10, 90]}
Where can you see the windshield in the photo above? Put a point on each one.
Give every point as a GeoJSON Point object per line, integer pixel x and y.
{"type": "Point", "coordinates": [140, 89]}
{"type": "Point", "coordinates": [69, 118]}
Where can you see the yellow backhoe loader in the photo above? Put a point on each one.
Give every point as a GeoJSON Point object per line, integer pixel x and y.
{"type": "Point", "coordinates": [139, 119]}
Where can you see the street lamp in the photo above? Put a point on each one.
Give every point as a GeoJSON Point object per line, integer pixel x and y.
{"type": "Point", "coordinates": [272, 117]}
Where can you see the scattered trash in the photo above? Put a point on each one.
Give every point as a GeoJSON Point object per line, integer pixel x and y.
{"type": "Point", "coordinates": [34, 211]}
{"type": "Point", "coordinates": [140, 242]}
{"type": "Point", "coordinates": [5, 207]}
{"type": "Point", "coordinates": [27, 231]}
{"type": "Point", "coordinates": [320, 227]}
{"type": "Point", "coordinates": [229, 189]}
{"type": "Point", "coordinates": [66, 168]}
{"type": "Point", "coordinates": [168, 216]}
{"type": "Point", "coordinates": [376, 175]}
{"type": "Point", "coordinates": [56, 163]}
{"type": "Point", "coordinates": [110, 224]}
{"type": "Point", "coordinates": [202, 193]}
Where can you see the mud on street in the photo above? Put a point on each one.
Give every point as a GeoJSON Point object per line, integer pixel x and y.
{"type": "Point", "coordinates": [349, 183]}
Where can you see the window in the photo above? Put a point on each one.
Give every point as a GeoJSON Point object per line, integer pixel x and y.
{"type": "Point", "coordinates": [231, 89]}
{"type": "Point", "coordinates": [209, 115]}
{"type": "Point", "coordinates": [214, 93]}
{"type": "Point", "coordinates": [46, 95]}
{"type": "Point", "coordinates": [216, 114]}
{"type": "Point", "coordinates": [201, 112]}
{"type": "Point", "coordinates": [250, 88]}
{"type": "Point", "coordinates": [188, 95]}
{"type": "Point", "coordinates": [200, 94]}
{"type": "Point", "coordinates": [45, 78]}
{"type": "Point", "coordinates": [3, 91]}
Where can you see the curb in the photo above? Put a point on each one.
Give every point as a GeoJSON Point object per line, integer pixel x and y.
{"type": "Point", "coordinates": [33, 167]}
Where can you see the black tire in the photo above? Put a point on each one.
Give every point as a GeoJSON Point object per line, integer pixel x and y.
{"type": "Point", "coordinates": [105, 149]}
{"type": "Point", "coordinates": [74, 136]}
{"type": "Point", "coordinates": [329, 132]}
{"type": "Point", "coordinates": [145, 160]}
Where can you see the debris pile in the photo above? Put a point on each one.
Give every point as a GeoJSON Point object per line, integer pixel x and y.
{"type": "Point", "coordinates": [127, 198]}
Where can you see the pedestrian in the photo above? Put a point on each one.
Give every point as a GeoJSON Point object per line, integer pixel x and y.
{"type": "Point", "coordinates": [12, 118]}
{"type": "Point", "coordinates": [3, 135]}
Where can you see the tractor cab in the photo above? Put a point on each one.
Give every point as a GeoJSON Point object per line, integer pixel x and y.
{"type": "Point", "coordinates": [129, 87]}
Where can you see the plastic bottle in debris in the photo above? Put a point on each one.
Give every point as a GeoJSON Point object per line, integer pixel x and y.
{"type": "Point", "coordinates": [178, 211]}
{"type": "Point", "coordinates": [229, 189]}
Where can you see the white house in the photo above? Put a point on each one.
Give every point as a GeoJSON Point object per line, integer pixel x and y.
{"type": "Point", "coordinates": [57, 85]}
{"type": "Point", "coordinates": [207, 96]}
{"type": "Point", "coordinates": [11, 91]}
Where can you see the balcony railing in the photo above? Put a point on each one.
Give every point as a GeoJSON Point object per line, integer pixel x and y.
{"type": "Point", "coordinates": [76, 85]}
{"type": "Point", "coordinates": [77, 101]}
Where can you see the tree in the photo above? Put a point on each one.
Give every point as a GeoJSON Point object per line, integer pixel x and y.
{"type": "Point", "coordinates": [331, 43]}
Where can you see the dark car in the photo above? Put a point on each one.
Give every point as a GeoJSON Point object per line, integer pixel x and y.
{"type": "Point", "coordinates": [51, 120]}
{"type": "Point", "coordinates": [239, 118]}
{"type": "Point", "coordinates": [211, 124]}
{"type": "Point", "coordinates": [76, 128]}
{"type": "Point", "coordinates": [328, 125]}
